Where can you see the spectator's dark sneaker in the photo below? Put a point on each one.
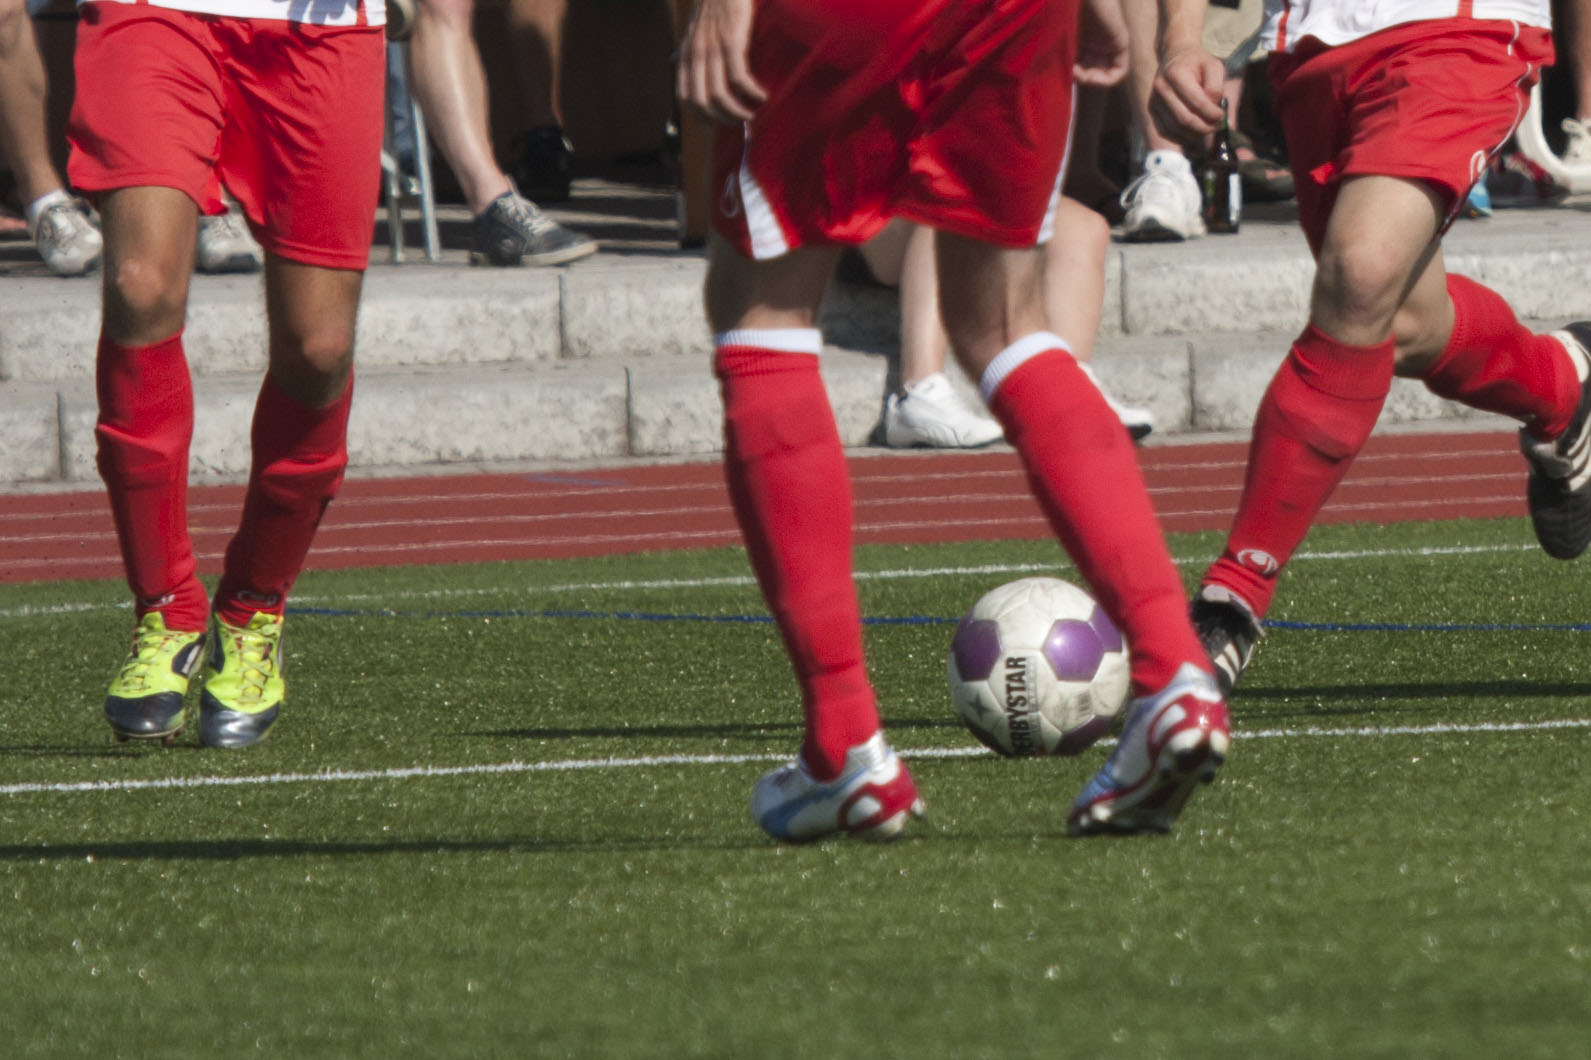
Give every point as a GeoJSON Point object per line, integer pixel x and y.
{"type": "Point", "coordinates": [1229, 631]}
{"type": "Point", "coordinates": [1559, 487]}
{"type": "Point", "coordinates": [513, 232]}
{"type": "Point", "coordinates": [542, 173]}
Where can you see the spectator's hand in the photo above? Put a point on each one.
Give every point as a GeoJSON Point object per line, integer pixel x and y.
{"type": "Point", "coordinates": [713, 74]}
{"type": "Point", "coordinates": [1101, 44]}
{"type": "Point", "coordinates": [1186, 101]}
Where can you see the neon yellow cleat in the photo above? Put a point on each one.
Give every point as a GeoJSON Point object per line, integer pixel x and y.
{"type": "Point", "coordinates": [243, 686]}
{"type": "Point", "coordinates": [146, 695]}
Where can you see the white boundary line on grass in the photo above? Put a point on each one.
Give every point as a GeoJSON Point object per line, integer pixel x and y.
{"type": "Point", "coordinates": [585, 764]}
{"type": "Point", "coordinates": [742, 580]}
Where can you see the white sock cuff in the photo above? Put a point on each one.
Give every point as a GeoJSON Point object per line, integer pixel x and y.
{"type": "Point", "coordinates": [778, 340]}
{"type": "Point", "coordinates": [33, 209]}
{"type": "Point", "coordinates": [1015, 356]}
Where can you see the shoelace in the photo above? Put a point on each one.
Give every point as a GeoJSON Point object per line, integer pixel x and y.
{"type": "Point", "coordinates": [1578, 148]}
{"type": "Point", "coordinates": [256, 663]}
{"type": "Point", "coordinates": [522, 211]}
{"type": "Point", "coordinates": [148, 649]}
{"type": "Point", "coordinates": [231, 226]}
{"type": "Point", "coordinates": [60, 222]}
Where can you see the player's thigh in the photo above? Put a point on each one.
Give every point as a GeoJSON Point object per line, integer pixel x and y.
{"type": "Point", "coordinates": [989, 297]}
{"type": "Point", "coordinates": [301, 149]}
{"type": "Point", "coordinates": [781, 292]}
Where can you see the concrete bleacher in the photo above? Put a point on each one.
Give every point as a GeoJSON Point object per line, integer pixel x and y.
{"type": "Point", "coordinates": [608, 359]}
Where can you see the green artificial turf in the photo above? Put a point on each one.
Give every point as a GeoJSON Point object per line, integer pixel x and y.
{"type": "Point", "coordinates": [1413, 886]}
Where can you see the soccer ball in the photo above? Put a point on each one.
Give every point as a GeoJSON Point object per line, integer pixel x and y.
{"type": "Point", "coordinates": [1038, 668]}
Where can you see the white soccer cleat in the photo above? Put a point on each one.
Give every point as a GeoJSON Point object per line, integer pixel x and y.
{"type": "Point", "coordinates": [929, 413]}
{"type": "Point", "coordinates": [873, 797]}
{"type": "Point", "coordinates": [1173, 741]}
{"type": "Point", "coordinates": [1164, 204]}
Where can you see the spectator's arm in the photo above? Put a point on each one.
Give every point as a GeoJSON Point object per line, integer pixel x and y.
{"type": "Point", "coordinates": [1187, 94]}
{"type": "Point", "coordinates": [1101, 44]}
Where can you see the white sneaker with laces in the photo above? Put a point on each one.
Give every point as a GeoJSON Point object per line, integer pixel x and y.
{"type": "Point", "coordinates": [1164, 204]}
{"type": "Point", "coordinates": [1139, 422]}
{"type": "Point", "coordinates": [227, 245]}
{"type": "Point", "coordinates": [67, 237]}
{"type": "Point", "coordinates": [931, 414]}
{"type": "Point", "coordinates": [1577, 146]}
{"type": "Point", "coordinates": [873, 797]}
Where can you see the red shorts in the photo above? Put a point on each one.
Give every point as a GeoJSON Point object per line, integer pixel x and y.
{"type": "Point", "coordinates": [1432, 101]}
{"type": "Point", "coordinates": [950, 113]}
{"type": "Point", "coordinates": [288, 116]}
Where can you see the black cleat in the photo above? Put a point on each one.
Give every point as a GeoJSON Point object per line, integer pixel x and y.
{"type": "Point", "coordinates": [1229, 632]}
{"type": "Point", "coordinates": [1559, 488]}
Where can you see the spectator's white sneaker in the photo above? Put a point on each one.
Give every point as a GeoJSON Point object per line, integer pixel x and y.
{"type": "Point", "coordinates": [1164, 204]}
{"type": "Point", "coordinates": [1139, 422]}
{"type": "Point", "coordinates": [67, 237]}
{"type": "Point", "coordinates": [930, 413]}
{"type": "Point", "coordinates": [227, 245]}
{"type": "Point", "coordinates": [1577, 143]}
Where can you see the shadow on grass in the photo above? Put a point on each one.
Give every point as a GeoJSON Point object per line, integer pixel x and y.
{"type": "Point", "coordinates": [248, 849]}
{"type": "Point", "coordinates": [757, 731]}
{"type": "Point", "coordinates": [1356, 698]}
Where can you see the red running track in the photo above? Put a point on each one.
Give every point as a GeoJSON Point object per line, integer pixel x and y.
{"type": "Point", "coordinates": [900, 498]}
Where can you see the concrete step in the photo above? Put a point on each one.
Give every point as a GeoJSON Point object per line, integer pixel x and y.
{"type": "Point", "coordinates": [609, 357]}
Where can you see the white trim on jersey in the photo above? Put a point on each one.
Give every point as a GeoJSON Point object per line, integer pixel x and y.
{"type": "Point", "coordinates": [1047, 226]}
{"type": "Point", "coordinates": [1339, 21]}
{"type": "Point", "coordinates": [314, 12]}
{"type": "Point", "coordinates": [762, 226]}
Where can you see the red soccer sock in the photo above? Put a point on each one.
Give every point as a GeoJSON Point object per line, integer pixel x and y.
{"type": "Point", "coordinates": [1084, 472]}
{"type": "Point", "coordinates": [299, 457]}
{"type": "Point", "coordinates": [1493, 362]}
{"type": "Point", "coordinates": [145, 425]}
{"type": "Point", "coordinates": [792, 496]}
{"type": "Point", "coordinates": [1314, 419]}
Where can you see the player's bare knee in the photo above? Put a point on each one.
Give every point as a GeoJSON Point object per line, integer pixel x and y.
{"type": "Point", "coordinates": [146, 298]}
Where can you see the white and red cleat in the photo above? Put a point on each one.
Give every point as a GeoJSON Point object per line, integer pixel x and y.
{"type": "Point", "coordinates": [1173, 741]}
{"type": "Point", "coordinates": [873, 797]}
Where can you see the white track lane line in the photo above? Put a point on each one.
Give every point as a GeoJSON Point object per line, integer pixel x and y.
{"type": "Point", "coordinates": [743, 580]}
{"type": "Point", "coordinates": [336, 776]}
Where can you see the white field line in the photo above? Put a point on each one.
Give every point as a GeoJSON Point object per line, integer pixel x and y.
{"type": "Point", "coordinates": [335, 776]}
{"type": "Point", "coordinates": [741, 580]}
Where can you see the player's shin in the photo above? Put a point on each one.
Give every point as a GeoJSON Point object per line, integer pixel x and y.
{"type": "Point", "coordinates": [1082, 467]}
{"type": "Point", "coordinates": [1315, 417]}
{"type": "Point", "coordinates": [791, 493]}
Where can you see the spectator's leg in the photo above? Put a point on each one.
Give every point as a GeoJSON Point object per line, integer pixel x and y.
{"type": "Point", "coordinates": [447, 78]}
{"type": "Point", "coordinates": [22, 114]}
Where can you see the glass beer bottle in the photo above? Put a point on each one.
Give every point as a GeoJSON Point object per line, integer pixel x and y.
{"type": "Point", "coordinates": [1222, 186]}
